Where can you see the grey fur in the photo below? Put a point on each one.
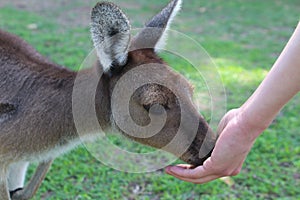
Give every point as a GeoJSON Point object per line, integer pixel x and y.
{"type": "Point", "coordinates": [161, 19]}
{"type": "Point", "coordinates": [154, 33]}
{"type": "Point", "coordinates": [110, 31]}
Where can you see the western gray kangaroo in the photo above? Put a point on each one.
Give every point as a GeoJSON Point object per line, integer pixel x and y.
{"type": "Point", "coordinates": [36, 118]}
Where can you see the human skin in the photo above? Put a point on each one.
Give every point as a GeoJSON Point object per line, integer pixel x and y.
{"type": "Point", "coordinates": [240, 127]}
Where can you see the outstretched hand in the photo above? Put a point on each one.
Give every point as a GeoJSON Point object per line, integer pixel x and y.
{"type": "Point", "coordinates": [239, 128]}
{"type": "Point", "coordinates": [228, 156]}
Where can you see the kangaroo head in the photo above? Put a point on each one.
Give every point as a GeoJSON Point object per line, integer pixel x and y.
{"type": "Point", "coordinates": [156, 105]}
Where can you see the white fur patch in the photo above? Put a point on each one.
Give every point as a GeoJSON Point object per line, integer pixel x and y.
{"type": "Point", "coordinates": [16, 176]}
{"type": "Point", "coordinates": [163, 39]}
{"type": "Point", "coordinates": [104, 58]}
{"type": "Point", "coordinates": [110, 31]}
{"type": "Point", "coordinates": [50, 154]}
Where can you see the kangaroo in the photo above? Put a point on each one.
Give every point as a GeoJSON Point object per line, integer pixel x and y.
{"type": "Point", "coordinates": [36, 116]}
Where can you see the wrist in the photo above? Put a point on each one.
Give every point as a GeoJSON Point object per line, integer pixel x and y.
{"type": "Point", "coordinates": [253, 125]}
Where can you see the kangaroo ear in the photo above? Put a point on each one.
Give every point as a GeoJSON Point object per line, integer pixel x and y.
{"type": "Point", "coordinates": [110, 31]}
{"type": "Point", "coordinates": [154, 33]}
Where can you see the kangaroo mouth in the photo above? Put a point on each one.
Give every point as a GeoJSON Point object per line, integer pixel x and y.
{"type": "Point", "coordinates": [201, 148]}
{"type": "Point", "coordinates": [192, 157]}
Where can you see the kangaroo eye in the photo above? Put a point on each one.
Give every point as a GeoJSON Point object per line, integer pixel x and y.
{"type": "Point", "coordinates": [147, 107]}
{"type": "Point", "coordinates": [155, 108]}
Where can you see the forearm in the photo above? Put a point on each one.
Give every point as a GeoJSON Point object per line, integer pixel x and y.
{"type": "Point", "coordinates": [280, 85]}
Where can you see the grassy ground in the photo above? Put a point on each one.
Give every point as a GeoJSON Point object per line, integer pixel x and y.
{"type": "Point", "coordinates": [244, 37]}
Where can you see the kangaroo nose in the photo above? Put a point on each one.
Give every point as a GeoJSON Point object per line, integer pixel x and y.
{"type": "Point", "coordinates": [200, 149]}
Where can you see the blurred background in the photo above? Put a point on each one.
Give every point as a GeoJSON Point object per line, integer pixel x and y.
{"type": "Point", "coordinates": [243, 37]}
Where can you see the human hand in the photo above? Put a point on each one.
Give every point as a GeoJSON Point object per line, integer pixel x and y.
{"type": "Point", "coordinates": [231, 149]}
{"type": "Point", "coordinates": [239, 128]}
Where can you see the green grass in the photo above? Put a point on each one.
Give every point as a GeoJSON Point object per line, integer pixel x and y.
{"type": "Point", "coordinates": [244, 38]}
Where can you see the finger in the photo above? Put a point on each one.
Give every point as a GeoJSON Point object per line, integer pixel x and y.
{"type": "Point", "coordinates": [221, 126]}
{"type": "Point", "coordinates": [207, 179]}
{"type": "Point", "coordinates": [197, 181]}
{"type": "Point", "coordinates": [185, 166]}
{"type": "Point", "coordinates": [198, 172]}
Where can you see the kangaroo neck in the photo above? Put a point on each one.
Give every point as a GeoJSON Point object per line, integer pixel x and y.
{"type": "Point", "coordinates": [91, 107]}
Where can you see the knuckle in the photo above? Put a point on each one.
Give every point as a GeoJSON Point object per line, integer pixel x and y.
{"type": "Point", "coordinates": [226, 173]}
{"type": "Point", "coordinates": [229, 172]}
{"type": "Point", "coordinates": [235, 172]}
